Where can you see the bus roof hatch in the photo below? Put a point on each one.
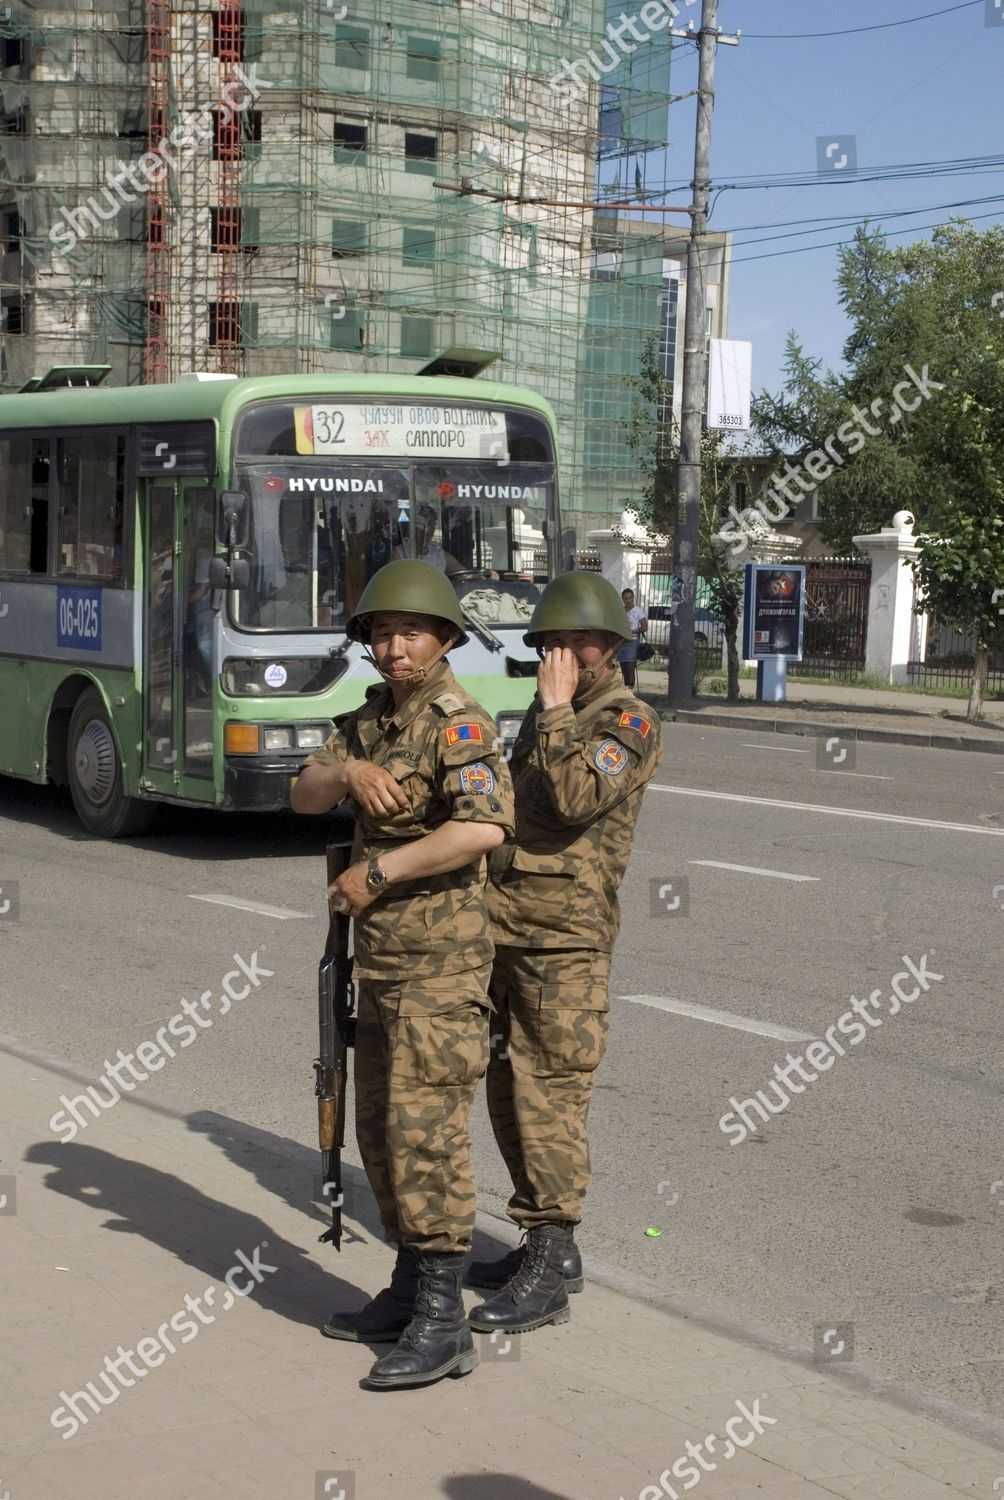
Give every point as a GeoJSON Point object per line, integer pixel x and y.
{"type": "Point", "coordinates": [61, 376]}
{"type": "Point", "coordinates": [463, 362]}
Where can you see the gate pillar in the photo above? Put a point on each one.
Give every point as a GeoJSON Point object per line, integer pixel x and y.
{"type": "Point", "coordinates": [890, 640]}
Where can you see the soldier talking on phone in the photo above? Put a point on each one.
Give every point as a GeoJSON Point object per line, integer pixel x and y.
{"type": "Point", "coordinates": [584, 755]}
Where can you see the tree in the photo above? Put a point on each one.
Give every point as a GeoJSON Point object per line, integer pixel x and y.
{"type": "Point", "coordinates": [655, 440]}
{"type": "Point", "coordinates": [926, 316]}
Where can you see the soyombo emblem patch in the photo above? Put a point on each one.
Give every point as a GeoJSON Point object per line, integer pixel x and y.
{"type": "Point", "coordinates": [477, 778]}
{"type": "Point", "coordinates": [459, 732]}
{"type": "Point", "coordinates": [610, 757]}
{"type": "Point", "coordinates": [634, 721]}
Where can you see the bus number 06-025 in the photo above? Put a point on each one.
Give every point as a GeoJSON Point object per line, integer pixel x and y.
{"type": "Point", "coordinates": [78, 617]}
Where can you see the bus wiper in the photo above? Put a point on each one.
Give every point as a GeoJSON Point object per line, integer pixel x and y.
{"type": "Point", "coordinates": [481, 630]}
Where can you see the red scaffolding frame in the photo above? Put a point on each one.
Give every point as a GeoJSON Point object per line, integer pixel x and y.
{"type": "Point", "coordinates": [229, 150]}
{"type": "Point", "coordinates": [156, 366]}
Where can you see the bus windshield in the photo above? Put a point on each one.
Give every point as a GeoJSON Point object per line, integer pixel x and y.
{"type": "Point", "coordinates": [319, 528]}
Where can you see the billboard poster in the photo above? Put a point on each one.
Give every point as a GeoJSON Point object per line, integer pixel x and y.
{"type": "Point", "coordinates": [730, 384]}
{"type": "Point", "coordinates": [773, 612]}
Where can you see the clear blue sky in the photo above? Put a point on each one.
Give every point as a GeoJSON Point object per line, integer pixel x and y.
{"type": "Point", "coordinates": [918, 93]}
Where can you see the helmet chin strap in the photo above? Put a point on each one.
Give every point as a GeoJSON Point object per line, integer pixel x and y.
{"type": "Point", "coordinates": [419, 674]}
{"type": "Point", "coordinates": [588, 675]}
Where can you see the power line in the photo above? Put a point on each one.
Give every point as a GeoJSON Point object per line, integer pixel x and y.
{"type": "Point", "coordinates": [795, 36]}
{"type": "Point", "coordinates": [829, 244]}
{"type": "Point", "coordinates": [859, 219]}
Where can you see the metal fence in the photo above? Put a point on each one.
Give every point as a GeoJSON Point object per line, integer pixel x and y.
{"type": "Point", "coordinates": [836, 617]}
{"type": "Point", "coordinates": [653, 588]}
{"type": "Point", "coordinates": [947, 659]}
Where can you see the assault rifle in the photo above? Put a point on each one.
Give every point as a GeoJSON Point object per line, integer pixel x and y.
{"type": "Point", "coordinates": [337, 1027]}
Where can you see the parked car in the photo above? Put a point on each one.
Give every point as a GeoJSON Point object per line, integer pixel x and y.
{"type": "Point", "coordinates": [707, 626]}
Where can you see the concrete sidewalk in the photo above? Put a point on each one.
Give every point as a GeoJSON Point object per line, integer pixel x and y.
{"type": "Point", "coordinates": [815, 709]}
{"type": "Point", "coordinates": [109, 1233]}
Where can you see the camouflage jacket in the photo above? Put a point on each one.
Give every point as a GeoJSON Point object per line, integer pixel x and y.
{"type": "Point", "coordinates": [579, 772]}
{"type": "Point", "coordinates": [441, 747]}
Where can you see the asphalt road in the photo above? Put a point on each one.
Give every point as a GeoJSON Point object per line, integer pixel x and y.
{"type": "Point", "coordinates": [873, 1198]}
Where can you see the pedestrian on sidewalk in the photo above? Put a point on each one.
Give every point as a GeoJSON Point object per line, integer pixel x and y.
{"type": "Point", "coordinates": [431, 797]}
{"type": "Point", "coordinates": [584, 755]}
{"type": "Point", "coordinates": [627, 657]}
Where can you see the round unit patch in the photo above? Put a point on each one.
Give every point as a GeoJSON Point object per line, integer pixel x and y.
{"type": "Point", "coordinates": [275, 675]}
{"type": "Point", "coordinates": [610, 757]}
{"type": "Point", "coordinates": [477, 778]}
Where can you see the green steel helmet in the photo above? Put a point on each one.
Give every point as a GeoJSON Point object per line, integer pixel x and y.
{"type": "Point", "coordinates": [578, 601]}
{"type": "Point", "coordinates": [407, 587]}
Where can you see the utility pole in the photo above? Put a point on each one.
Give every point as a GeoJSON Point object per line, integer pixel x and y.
{"type": "Point", "coordinates": [695, 369]}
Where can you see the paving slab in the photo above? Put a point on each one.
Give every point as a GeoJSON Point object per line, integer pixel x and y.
{"type": "Point", "coordinates": [148, 1207]}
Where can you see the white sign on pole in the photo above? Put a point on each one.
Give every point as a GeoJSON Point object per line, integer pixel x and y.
{"type": "Point", "coordinates": [730, 382]}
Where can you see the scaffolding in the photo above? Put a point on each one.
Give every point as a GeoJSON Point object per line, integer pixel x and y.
{"type": "Point", "coordinates": [347, 187]}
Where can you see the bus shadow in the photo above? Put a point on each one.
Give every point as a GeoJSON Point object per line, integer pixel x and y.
{"type": "Point", "coordinates": [200, 834]}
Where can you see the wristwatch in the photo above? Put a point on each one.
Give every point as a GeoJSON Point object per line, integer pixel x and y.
{"type": "Point", "coordinates": [376, 876]}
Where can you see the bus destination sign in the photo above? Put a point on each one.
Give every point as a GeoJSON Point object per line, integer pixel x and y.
{"type": "Point", "coordinates": [404, 429]}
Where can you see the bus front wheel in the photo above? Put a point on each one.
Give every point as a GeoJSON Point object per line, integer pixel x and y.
{"type": "Point", "coordinates": [95, 774]}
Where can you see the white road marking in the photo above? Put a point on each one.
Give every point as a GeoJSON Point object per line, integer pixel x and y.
{"type": "Point", "coordinates": [720, 1018]}
{"type": "Point", "coordinates": [717, 864]}
{"type": "Point", "coordinates": [263, 911]}
{"type": "Point", "coordinates": [868, 775]}
{"type": "Point", "coordinates": [820, 807]}
{"type": "Point", "coordinates": [784, 749]}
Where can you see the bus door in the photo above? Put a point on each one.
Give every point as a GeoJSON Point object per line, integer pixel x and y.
{"type": "Point", "coordinates": [178, 665]}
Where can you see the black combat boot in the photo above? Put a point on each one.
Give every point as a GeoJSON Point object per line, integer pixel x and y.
{"type": "Point", "coordinates": [438, 1340]}
{"type": "Point", "coordinates": [537, 1293]}
{"type": "Point", "coordinates": [385, 1318]}
{"type": "Point", "coordinates": [492, 1275]}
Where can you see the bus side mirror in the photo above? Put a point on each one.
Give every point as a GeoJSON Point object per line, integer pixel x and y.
{"type": "Point", "coordinates": [232, 574]}
{"type": "Point", "coordinates": [233, 518]}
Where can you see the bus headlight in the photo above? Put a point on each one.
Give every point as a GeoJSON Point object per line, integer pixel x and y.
{"type": "Point", "coordinates": [508, 726]}
{"type": "Point", "coordinates": [279, 739]}
{"type": "Point", "coordinates": [310, 738]}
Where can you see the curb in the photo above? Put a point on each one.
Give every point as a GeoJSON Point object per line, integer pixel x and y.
{"type": "Point", "coordinates": [761, 725]}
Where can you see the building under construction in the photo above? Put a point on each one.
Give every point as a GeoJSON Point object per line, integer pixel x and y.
{"type": "Point", "coordinates": [263, 188]}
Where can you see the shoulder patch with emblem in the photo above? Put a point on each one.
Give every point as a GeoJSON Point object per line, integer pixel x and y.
{"type": "Point", "coordinates": [610, 757]}
{"type": "Point", "coordinates": [634, 721]}
{"type": "Point", "coordinates": [477, 778]}
{"type": "Point", "coordinates": [460, 733]}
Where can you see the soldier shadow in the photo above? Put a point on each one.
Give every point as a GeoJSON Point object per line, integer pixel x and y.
{"type": "Point", "coordinates": [200, 1231]}
{"type": "Point", "coordinates": [496, 1487]}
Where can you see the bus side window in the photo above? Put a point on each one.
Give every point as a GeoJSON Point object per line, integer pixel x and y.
{"type": "Point", "coordinates": [15, 502]}
{"type": "Point", "coordinates": [91, 482]}
{"type": "Point", "coordinates": [39, 518]}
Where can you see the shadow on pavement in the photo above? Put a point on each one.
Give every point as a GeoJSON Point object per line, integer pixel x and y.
{"type": "Point", "coordinates": [200, 1231]}
{"type": "Point", "coordinates": [496, 1487]}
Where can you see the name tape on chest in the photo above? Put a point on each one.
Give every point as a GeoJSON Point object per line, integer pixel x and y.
{"type": "Point", "coordinates": [458, 734]}
{"type": "Point", "coordinates": [477, 779]}
{"type": "Point", "coordinates": [610, 758]}
{"type": "Point", "coordinates": [634, 721]}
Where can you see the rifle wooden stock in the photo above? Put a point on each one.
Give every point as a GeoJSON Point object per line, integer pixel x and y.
{"type": "Point", "coordinates": [336, 1029]}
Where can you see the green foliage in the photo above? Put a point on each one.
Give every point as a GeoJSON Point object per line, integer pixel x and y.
{"type": "Point", "coordinates": [928, 307]}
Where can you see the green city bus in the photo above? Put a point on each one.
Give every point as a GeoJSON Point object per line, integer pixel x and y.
{"type": "Point", "coordinates": [177, 563]}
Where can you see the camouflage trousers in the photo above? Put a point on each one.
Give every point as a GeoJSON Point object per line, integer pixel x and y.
{"type": "Point", "coordinates": [549, 1033]}
{"type": "Point", "coordinates": [420, 1049]}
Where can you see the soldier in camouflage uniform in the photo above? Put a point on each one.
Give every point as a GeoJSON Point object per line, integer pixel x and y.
{"type": "Point", "coordinates": [431, 798]}
{"type": "Point", "coordinates": [585, 753]}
